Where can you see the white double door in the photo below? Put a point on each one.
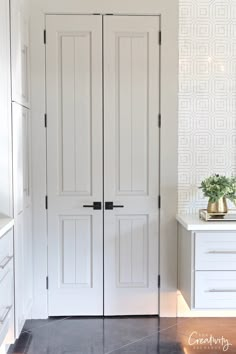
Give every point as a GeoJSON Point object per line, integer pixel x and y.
{"type": "Point", "coordinates": [102, 78]}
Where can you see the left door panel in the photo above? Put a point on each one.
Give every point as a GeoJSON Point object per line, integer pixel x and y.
{"type": "Point", "coordinates": [74, 164]}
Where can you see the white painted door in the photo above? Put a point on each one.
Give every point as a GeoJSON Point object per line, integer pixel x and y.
{"type": "Point", "coordinates": [131, 160]}
{"type": "Point", "coordinates": [74, 169]}
{"type": "Point", "coordinates": [78, 127]}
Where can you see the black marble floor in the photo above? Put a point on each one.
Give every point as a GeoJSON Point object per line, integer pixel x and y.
{"type": "Point", "coordinates": [127, 335]}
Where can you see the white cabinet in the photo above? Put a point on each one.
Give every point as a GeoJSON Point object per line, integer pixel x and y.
{"type": "Point", "coordinates": [22, 214]}
{"type": "Point", "coordinates": [27, 261]}
{"type": "Point", "coordinates": [17, 127]}
{"type": "Point", "coordinates": [6, 289]}
{"type": "Point", "coordinates": [207, 265]}
{"type": "Point", "coordinates": [215, 250]}
{"type": "Point", "coordinates": [15, 167]}
{"type": "Point", "coordinates": [21, 157]}
{"type": "Point", "coordinates": [215, 290]}
{"type": "Point", "coordinates": [5, 112]}
{"type": "Point", "coordinates": [19, 273]}
{"type": "Point", "coordinates": [23, 268]}
{"type": "Point", "coordinates": [20, 52]}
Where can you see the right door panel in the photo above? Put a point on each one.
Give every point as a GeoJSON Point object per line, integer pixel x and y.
{"type": "Point", "coordinates": [131, 164]}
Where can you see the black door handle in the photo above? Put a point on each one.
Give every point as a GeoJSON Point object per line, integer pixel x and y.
{"type": "Point", "coordinates": [95, 206]}
{"type": "Point", "coordinates": [111, 206]}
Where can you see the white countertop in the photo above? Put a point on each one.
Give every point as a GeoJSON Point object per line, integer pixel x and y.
{"type": "Point", "coordinates": [192, 222]}
{"type": "Point", "coordinates": [6, 224]}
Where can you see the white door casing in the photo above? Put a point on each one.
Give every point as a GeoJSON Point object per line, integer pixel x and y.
{"type": "Point", "coordinates": [131, 161]}
{"type": "Point", "coordinates": [75, 164]}
{"type": "Point", "coordinates": [74, 148]}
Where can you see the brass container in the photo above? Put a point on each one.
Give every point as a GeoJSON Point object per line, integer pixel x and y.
{"type": "Point", "coordinates": [218, 207]}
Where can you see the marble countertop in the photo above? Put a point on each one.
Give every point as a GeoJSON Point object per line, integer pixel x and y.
{"type": "Point", "coordinates": [6, 223]}
{"type": "Point", "coordinates": [192, 222]}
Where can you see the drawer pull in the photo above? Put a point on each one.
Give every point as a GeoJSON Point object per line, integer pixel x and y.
{"type": "Point", "coordinates": [221, 252]}
{"type": "Point", "coordinates": [5, 262]}
{"type": "Point", "coordinates": [221, 291]}
{"type": "Point", "coordinates": [8, 309]}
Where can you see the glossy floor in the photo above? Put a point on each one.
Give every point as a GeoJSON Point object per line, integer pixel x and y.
{"type": "Point", "coordinates": [127, 335]}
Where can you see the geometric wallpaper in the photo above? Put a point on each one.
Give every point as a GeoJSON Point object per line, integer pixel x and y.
{"type": "Point", "coordinates": [207, 96]}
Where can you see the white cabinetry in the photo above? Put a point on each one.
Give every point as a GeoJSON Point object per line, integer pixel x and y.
{"type": "Point", "coordinates": [5, 112]}
{"type": "Point", "coordinates": [6, 289]}
{"type": "Point", "coordinates": [20, 52]}
{"type": "Point", "coordinates": [207, 264]}
{"type": "Point", "coordinates": [22, 214]}
{"type": "Point", "coordinates": [15, 144]}
{"type": "Point", "coordinates": [21, 160]}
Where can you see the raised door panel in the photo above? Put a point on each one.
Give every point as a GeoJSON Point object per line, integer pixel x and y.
{"type": "Point", "coordinates": [74, 164]}
{"type": "Point", "coordinates": [20, 53]}
{"type": "Point", "coordinates": [131, 114]}
{"type": "Point", "coordinates": [131, 164]}
{"type": "Point", "coordinates": [132, 251]}
{"type": "Point", "coordinates": [76, 112]}
{"type": "Point", "coordinates": [76, 251]}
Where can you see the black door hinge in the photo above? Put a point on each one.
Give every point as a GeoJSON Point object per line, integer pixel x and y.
{"type": "Point", "coordinates": [159, 120]}
{"type": "Point", "coordinates": [159, 281]}
{"type": "Point", "coordinates": [159, 37]}
{"type": "Point", "coordinates": [46, 202]}
{"type": "Point", "coordinates": [44, 36]}
{"type": "Point", "coordinates": [159, 202]}
{"type": "Point", "coordinates": [47, 282]}
{"type": "Point", "coordinates": [45, 120]}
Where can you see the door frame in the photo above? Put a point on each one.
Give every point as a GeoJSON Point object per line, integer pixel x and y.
{"type": "Point", "coordinates": [168, 143]}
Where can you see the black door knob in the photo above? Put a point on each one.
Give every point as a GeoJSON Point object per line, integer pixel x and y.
{"type": "Point", "coordinates": [95, 206]}
{"type": "Point", "coordinates": [111, 206]}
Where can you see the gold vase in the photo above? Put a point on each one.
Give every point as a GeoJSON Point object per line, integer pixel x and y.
{"type": "Point", "coordinates": [218, 207]}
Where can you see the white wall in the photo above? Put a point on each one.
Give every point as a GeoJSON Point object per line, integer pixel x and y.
{"type": "Point", "coordinates": [207, 96]}
{"type": "Point", "coordinates": [169, 53]}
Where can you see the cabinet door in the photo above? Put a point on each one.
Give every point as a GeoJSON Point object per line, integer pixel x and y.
{"type": "Point", "coordinates": [27, 273]}
{"type": "Point", "coordinates": [22, 214]}
{"type": "Point", "coordinates": [5, 112]}
{"type": "Point", "coordinates": [20, 53]}
{"type": "Point", "coordinates": [26, 133]}
{"type": "Point", "coordinates": [17, 127]}
{"type": "Point", "coordinates": [21, 157]}
{"type": "Point", "coordinates": [19, 273]}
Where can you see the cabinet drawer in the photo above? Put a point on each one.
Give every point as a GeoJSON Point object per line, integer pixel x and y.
{"type": "Point", "coordinates": [215, 251]}
{"type": "Point", "coordinates": [215, 290]}
{"type": "Point", "coordinates": [6, 302]}
{"type": "Point", "coordinates": [6, 252]}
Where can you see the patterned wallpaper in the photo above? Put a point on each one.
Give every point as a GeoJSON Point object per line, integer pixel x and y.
{"type": "Point", "coordinates": [207, 96]}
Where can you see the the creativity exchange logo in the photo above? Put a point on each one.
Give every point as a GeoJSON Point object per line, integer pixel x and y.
{"type": "Point", "coordinates": [204, 341]}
